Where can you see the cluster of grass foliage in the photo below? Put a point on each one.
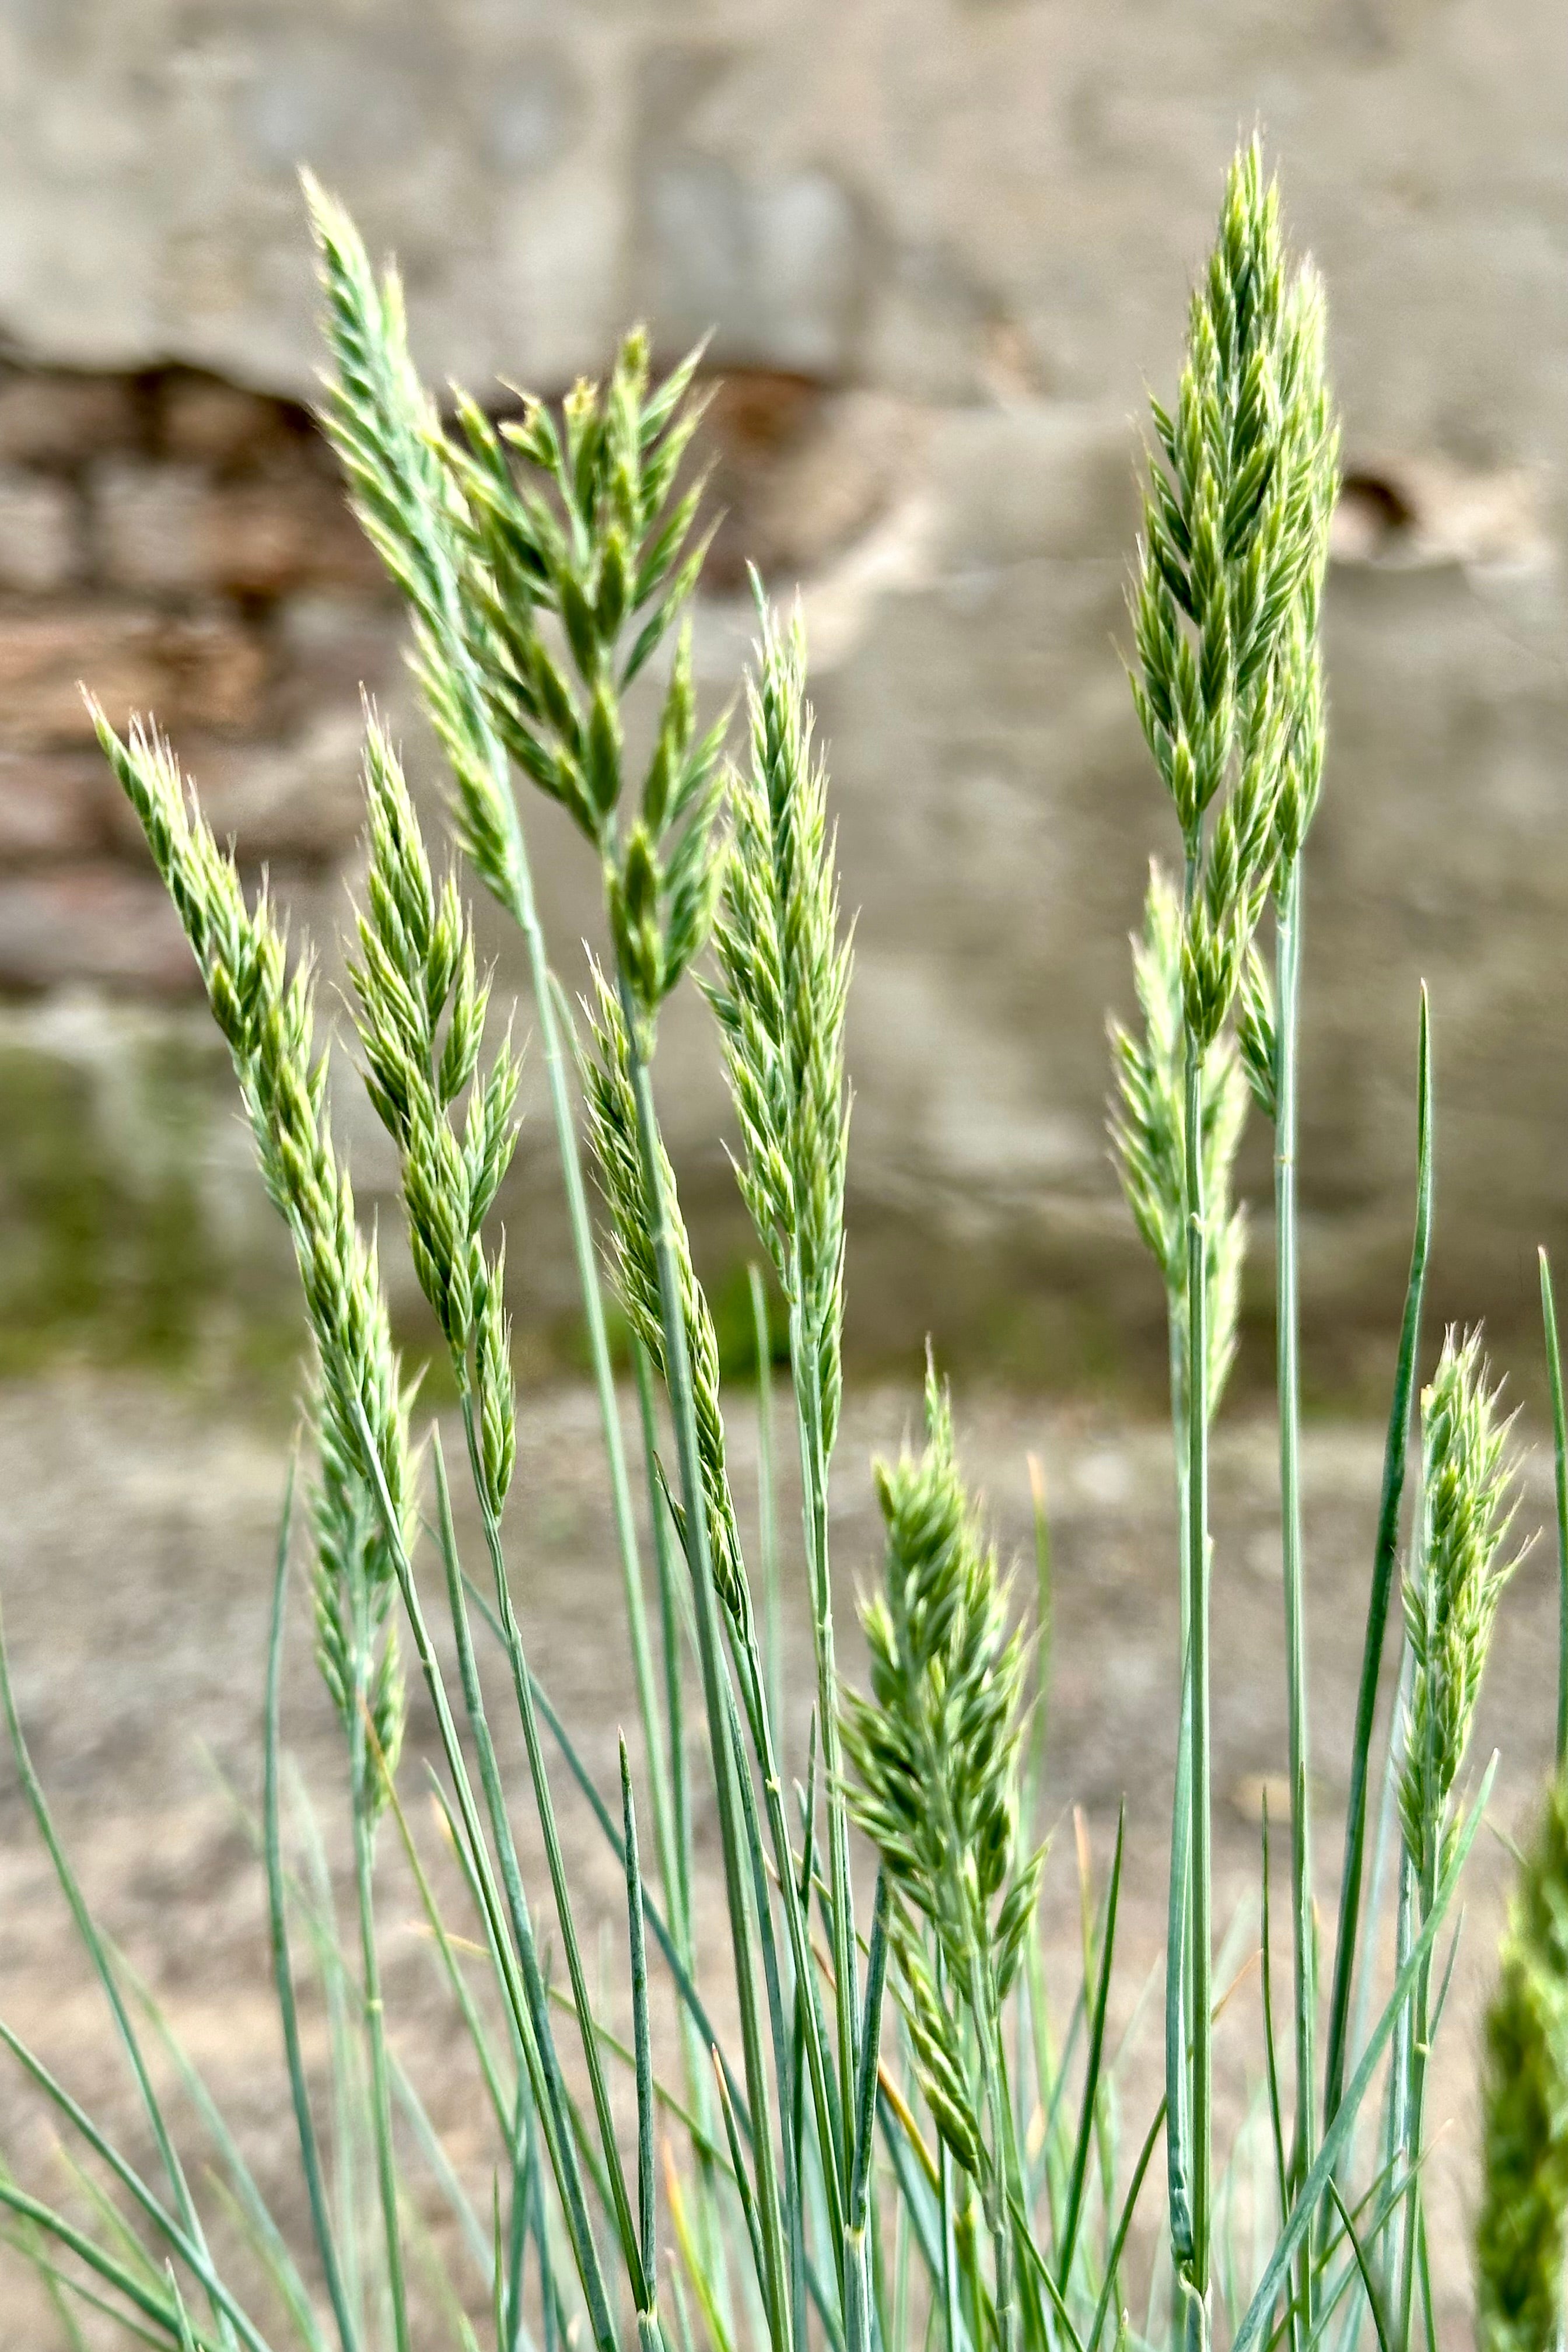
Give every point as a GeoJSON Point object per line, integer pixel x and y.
{"type": "Point", "coordinates": [910, 2135]}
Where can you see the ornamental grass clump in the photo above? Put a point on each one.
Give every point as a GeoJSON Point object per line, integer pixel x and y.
{"type": "Point", "coordinates": [867, 2125]}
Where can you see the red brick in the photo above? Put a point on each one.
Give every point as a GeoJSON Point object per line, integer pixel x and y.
{"type": "Point", "coordinates": [215, 670]}
{"type": "Point", "coordinates": [54, 804]}
{"type": "Point", "coordinates": [208, 669]}
{"type": "Point", "coordinates": [206, 421]}
{"type": "Point", "coordinates": [286, 530]}
{"type": "Point", "coordinates": [102, 923]}
{"type": "Point", "coordinates": [172, 529]}
{"type": "Point", "coordinates": [52, 417]}
{"type": "Point", "coordinates": [301, 801]}
{"type": "Point", "coordinates": [40, 532]}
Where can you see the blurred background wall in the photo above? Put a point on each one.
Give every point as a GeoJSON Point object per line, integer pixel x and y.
{"type": "Point", "coordinates": [942, 246]}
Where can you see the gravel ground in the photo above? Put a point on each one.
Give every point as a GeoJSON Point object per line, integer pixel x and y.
{"type": "Point", "coordinates": [135, 1543]}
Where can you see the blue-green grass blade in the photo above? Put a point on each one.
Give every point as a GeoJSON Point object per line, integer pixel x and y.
{"type": "Point", "coordinates": [182, 2317]}
{"type": "Point", "coordinates": [1349, 2274]}
{"type": "Point", "coordinates": [275, 2260]}
{"type": "Point", "coordinates": [97, 1953]}
{"type": "Point", "coordinates": [250, 2206]}
{"type": "Point", "coordinates": [620, 2202]}
{"type": "Point", "coordinates": [1424, 2274]}
{"type": "Point", "coordinates": [452, 1968]}
{"type": "Point", "coordinates": [1441, 2004]}
{"type": "Point", "coordinates": [743, 2183]}
{"type": "Point", "coordinates": [701, 2283]}
{"type": "Point", "coordinates": [767, 1500]}
{"type": "Point", "coordinates": [1025, 2237]}
{"type": "Point", "coordinates": [63, 2290]}
{"type": "Point", "coordinates": [1270, 2048]}
{"type": "Point", "coordinates": [550, 2087]}
{"type": "Point", "coordinates": [552, 2303]}
{"type": "Point", "coordinates": [442, 2169]}
{"type": "Point", "coordinates": [642, 2042]}
{"type": "Point", "coordinates": [523, 2150]}
{"type": "Point", "coordinates": [859, 2314]}
{"type": "Point", "coordinates": [117, 2225]}
{"type": "Point", "coordinates": [681, 1975]}
{"type": "Point", "coordinates": [373, 2015]}
{"type": "Point", "coordinates": [1313, 2188]}
{"type": "Point", "coordinates": [522, 1980]}
{"type": "Point", "coordinates": [697, 2134]}
{"type": "Point", "coordinates": [840, 1908]}
{"type": "Point", "coordinates": [1178, 2155]}
{"type": "Point", "coordinates": [1385, 1561]}
{"type": "Point", "coordinates": [1085, 2141]}
{"type": "Point", "coordinates": [677, 1882]}
{"type": "Point", "coordinates": [282, 1966]}
{"type": "Point", "coordinates": [1369, 2284]}
{"type": "Point", "coordinates": [25, 2239]}
{"type": "Point", "coordinates": [916, 2196]}
{"type": "Point", "coordinates": [791, 2208]}
{"type": "Point", "coordinates": [195, 2259]}
{"type": "Point", "coordinates": [871, 2048]}
{"type": "Point", "coordinates": [1123, 2224]}
{"type": "Point", "coordinates": [345, 2069]}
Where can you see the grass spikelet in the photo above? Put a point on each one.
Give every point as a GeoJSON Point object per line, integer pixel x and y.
{"type": "Point", "coordinates": [1147, 1137]}
{"type": "Point", "coordinates": [420, 1008]}
{"type": "Point", "coordinates": [1522, 2230]}
{"type": "Point", "coordinates": [383, 426]}
{"type": "Point", "coordinates": [935, 1751]}
{"type": "Point", "coordinates": [613, 1135]}
{"type": "Point", "coordinates": [1225, 604]}
{"type": "Point", "coordinates": [266, 1013]}
{"type": "Point", "coordinates": [783, 981]}
{"type": "Point", "coordinates": [1452, 1586]}
{"type": "Point", "coordinates": [578, 562]}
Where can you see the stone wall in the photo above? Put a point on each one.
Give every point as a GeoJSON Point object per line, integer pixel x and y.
{"type": "Point", "coordinates": [941, 243]}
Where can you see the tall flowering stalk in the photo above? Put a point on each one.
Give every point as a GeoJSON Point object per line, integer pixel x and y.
{"type": "Point", "coordinates": [1454, 1581]}
{"type": "Point", "coordinates": [783, 968]}
{"type": "Point", "coordinates": [1222, 616]}
{"type": "Point", "coordinates": [935, 1750]}
{"type": "Point", "coordinates": [364, 1504]}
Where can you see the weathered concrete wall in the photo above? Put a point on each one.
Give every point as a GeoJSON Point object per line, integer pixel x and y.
{"type": "Point", "coordinates": [942, 247]}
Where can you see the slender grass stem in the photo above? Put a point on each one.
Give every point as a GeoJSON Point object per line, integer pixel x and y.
{"type": "Point", "coordinates": [544, 1806]}
{"type": "Point", "coordinates": [1198, 1563]}
{"type": "Point", "coordinates": [998, 2214]}
{"type": "Point", "coordinates": [695, 1508]}
{"type": "Point", "coordinates": [1178, 1944]}
{"type": "Point", "coordinates": [1329, 2153]}
{"type": "Point", "coordinates": [806, 1356]}
{"type": "Point", "coordinates": [767, 1512]}
{"type": "Point", "coordinates": [516, 1961]}
{"type": "Point", "coordinates": [1287, 957]}
{"type": "Point", "coordinates": [678, 1880]}
{"type": "Point", "coordinates": [1419, 2044]}
{"type": "Point", "coordinates": [1386, 1559]}
{"type": "Point", "coordinates": [830, 2106]}
{"type": "Point", "coordinates": [375, 2036]}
